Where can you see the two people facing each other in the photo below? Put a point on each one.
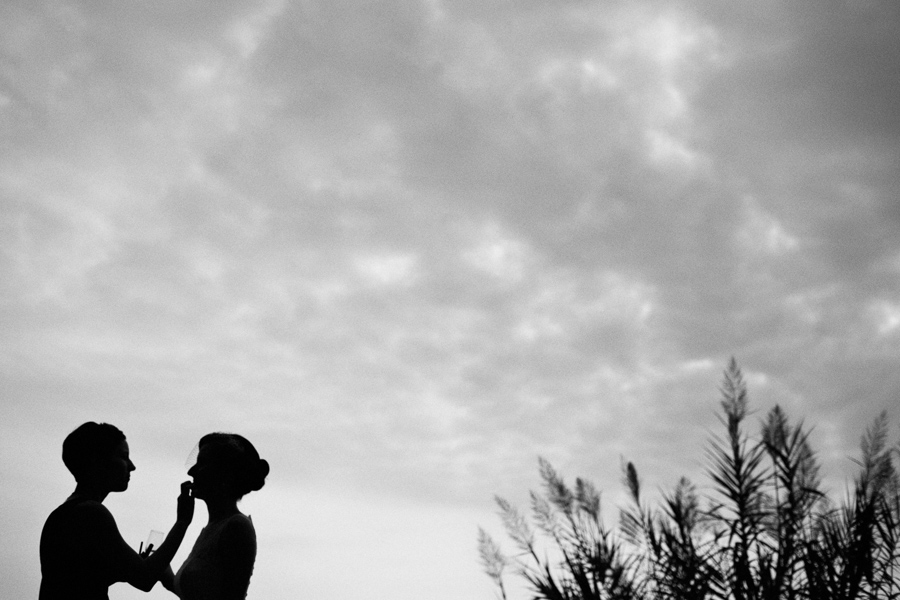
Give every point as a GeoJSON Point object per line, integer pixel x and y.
{"type": "Point", "coordinates": [82, 552]}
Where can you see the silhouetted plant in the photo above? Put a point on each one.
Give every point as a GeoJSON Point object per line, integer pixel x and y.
{"type": "Point", "coordinates": [855, 552]}
{"type": "Point", "coordinates": [587, 563]}
{"type": "Point", "coordinates": [767, 531]}
{"type": "Point", "coordinates": [492, 560]}
{"type": "Point", "coordinates": [792, 494]}
{"type": "Point", "coordinates": [739, 477]}
{"type": "Point", "coordinates": [675, 548]}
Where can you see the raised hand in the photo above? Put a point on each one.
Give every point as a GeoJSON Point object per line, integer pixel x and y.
{"type": "Point", "coordinates": [185, 504]}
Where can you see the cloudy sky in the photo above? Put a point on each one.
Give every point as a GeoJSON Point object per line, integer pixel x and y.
{"type": "Point", "coordinates": [408, 246]}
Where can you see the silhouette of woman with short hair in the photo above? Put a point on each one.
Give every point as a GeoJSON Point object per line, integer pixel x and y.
{"type": "Point", "coordinates": [221, 562]}
{"type": "Point", "coordinates": [82, 552]}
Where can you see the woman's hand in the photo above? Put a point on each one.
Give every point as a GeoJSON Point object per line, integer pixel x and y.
{"type": "Point", "coordinates": [185, 504]}
{"type": "Point", "coordinates": [145, 552]}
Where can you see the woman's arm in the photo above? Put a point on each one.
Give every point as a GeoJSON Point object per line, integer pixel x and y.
{"type": "Point", "coordinates": [143, 573]}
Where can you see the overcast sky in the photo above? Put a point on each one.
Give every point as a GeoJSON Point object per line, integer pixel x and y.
{"type": "Point", "coordinates": [406, 247]}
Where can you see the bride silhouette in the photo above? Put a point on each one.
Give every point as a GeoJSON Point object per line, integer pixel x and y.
{"type": "Point", "coordinates": [221, 562]}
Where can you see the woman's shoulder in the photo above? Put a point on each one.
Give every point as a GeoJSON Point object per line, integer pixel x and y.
{"type": "Point", "coordinates": [239, 537]}
{"type": "Point", "coordinates": [239, 526]}
{"type": "Point", "coordinates": [84, 521]}
{"type": "Point", "coordinates": [82, 510]}
{"type": "Point", "coordinates": [240, 521]}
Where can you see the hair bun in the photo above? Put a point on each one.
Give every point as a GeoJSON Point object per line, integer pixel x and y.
{"type": "Point", "coordinates": [260, 471]}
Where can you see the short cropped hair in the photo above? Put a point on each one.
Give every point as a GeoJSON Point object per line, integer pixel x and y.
{"type": "Point", "coordinates": [234, 454]}
{"type": "Point", "coordinates": [87, 443]}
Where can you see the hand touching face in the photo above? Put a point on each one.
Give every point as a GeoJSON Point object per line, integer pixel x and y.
{"type": "Point", "coordinates": [206, 474]}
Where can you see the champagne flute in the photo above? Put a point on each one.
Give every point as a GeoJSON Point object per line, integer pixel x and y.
{"type": "Point", "coordinates": [153, 541]}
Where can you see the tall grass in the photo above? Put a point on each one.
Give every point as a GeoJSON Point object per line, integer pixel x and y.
{"type": "Point", "coordinates": [766, 530]}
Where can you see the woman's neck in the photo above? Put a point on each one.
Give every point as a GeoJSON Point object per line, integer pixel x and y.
{"type": "Point", "coordinates": [220, 509]}
{"type": "Point", "coordinates": [88, 491]}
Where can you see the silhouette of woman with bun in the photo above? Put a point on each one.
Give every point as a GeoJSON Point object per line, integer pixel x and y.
{"type": "Point", "coordinates": [82, 552]}
{"type": "Point", "coordinates": [221, 562]}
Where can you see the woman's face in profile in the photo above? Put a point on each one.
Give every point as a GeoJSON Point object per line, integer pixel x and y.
{"type": "Point", "coordinates": [118, 468]}
{"type": "Point", "coordinates": [207, 474]}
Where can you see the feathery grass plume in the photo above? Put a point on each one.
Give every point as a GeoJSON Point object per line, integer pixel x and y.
{"type": "Point", "coordinates": [545, 517]}
{"type": "Point", "coordinates": [875, 533]}
{"type": "Point", "coordinates": [792, 494]}
{"type": "Point", "coordinates": [632, 481]}
{"type": "Point", "coordinates": [634, 520]}
{"type": "Point", "coordinates": [528, 564]}
{"type": "Point", "coordinates": [557, 491]}
{"type": "Point", "coordinates": [739, 476]}
{"type": "Point", "coordinates": [492, 560]}
{"type": "Point", "coordinates": [588, 498]}
{"type": "Point", "coordinates": [516, 526]}
{"type": "Point", "coordinates": [585, 563]}
{"type": "Point", "coordinates": [636, 527]}
{"type": "Point", "coordinates": [877, 466]}
{"type": "Point", "coordinates": [734, 398]}
{"type": "Point", "coordinates": [782, 519]}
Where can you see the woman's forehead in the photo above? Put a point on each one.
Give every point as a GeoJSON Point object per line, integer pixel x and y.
{"type": "Point", "coordinates": [206, 453]}
{"type": "Point", "coordinates": [212, 453]}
